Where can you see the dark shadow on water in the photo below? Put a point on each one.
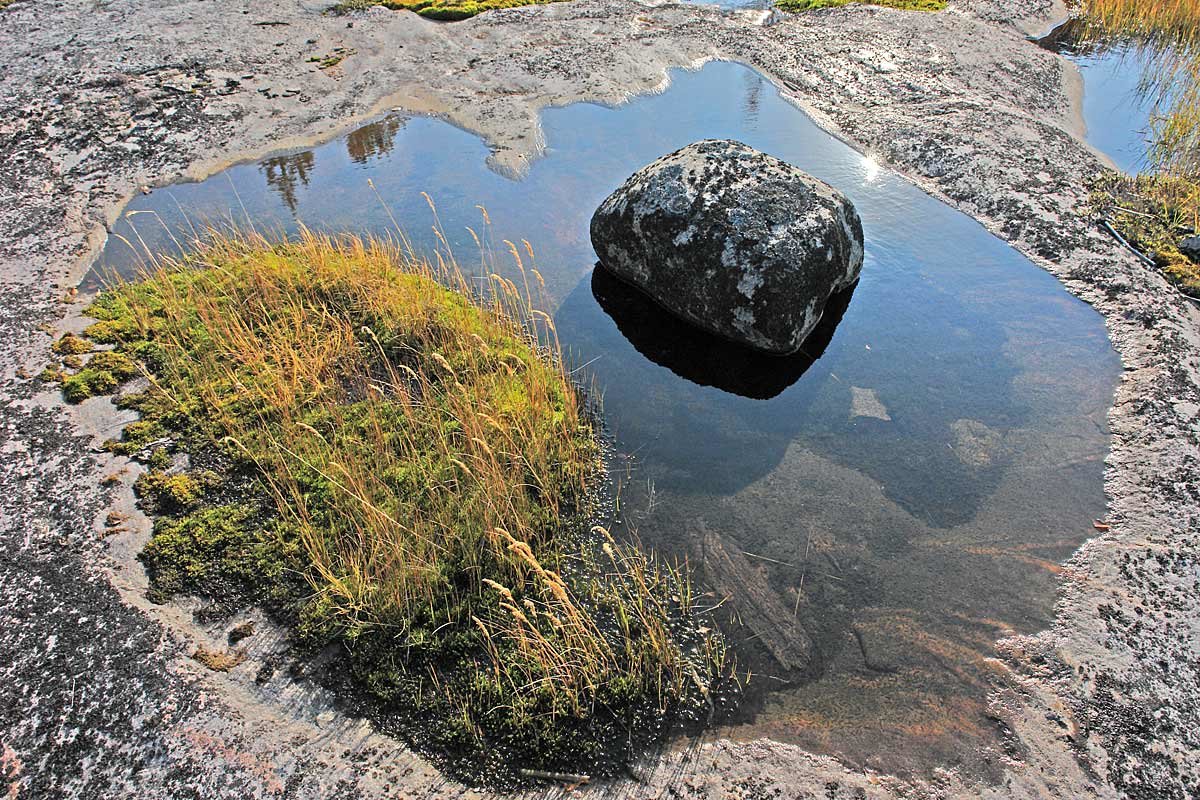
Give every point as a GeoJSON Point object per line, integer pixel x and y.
{"type": "Point", "coordinates": [704, 358]}
{"type": "Point", "coordinates": [1069, 39]}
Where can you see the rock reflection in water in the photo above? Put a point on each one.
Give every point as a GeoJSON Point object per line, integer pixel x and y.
{"type": "Point", "coordinates": [701, 357]}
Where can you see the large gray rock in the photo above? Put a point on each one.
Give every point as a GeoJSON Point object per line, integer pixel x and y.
{"type": "Point", "coordinates": [1190, 247]}
{"type": "Point", "coordinates": [733, 240]}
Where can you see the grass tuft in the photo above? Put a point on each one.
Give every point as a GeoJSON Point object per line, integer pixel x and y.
{"type": "Point", "coordinates": [393, 467]}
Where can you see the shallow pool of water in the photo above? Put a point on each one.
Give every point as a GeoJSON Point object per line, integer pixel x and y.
{"type": "Point", "coordinates": [1116, 112]}
{"type": "Point", "coordinates": [901, 494]}
{"type": "Point", "coordinates": [735, 5]}
{"type": "Point", "coordinates": [1116, 106]}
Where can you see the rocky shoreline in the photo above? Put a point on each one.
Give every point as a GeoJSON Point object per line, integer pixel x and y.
{"type": "Point", "coordinates": [97, 694]}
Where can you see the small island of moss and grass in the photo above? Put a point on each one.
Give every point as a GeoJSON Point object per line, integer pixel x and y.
{"type": "Point", "coordinates": [444, 10]}
{"type": "Point", "coordinates": [403, 474]}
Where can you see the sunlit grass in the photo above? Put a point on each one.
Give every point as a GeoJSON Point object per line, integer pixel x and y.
{"type": "Point", "coordinates": [398, 465]}
{"type": "Point", "coordinates": [1163, 23]}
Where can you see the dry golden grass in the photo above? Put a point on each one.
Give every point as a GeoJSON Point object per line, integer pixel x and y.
{"type": "Point", "coordinates": [417, 481]}
{"type": "Point", "coordinates": [1165, 23]}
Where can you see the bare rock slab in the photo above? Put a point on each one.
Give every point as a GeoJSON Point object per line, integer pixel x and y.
{"type": "Point", "coordinates": [733, 240]}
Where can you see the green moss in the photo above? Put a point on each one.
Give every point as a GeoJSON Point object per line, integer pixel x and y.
{"type": "Point", "coordinates": [331, 60]}
{"type": "Point", "coordinates": [70, 344]}
{"type": "Point", "coordinates": [108, 331]}
{"type": "Point", "coordinates": [904, 5]}
{"type": "Point", "coordinates": [444, 10]}
{"type": "Point", "coordinates": [119, 365]}
{"type": "Point", "coordinates": [175, 492]}
{"type": "Point", "coordinates": [88, 383]}
{"type": "Point", "coordinates": [397, 470]}
{"type": "Point", "coordinates": [225, 553]}
{"type": "Point", "coordinates": [104, 372]}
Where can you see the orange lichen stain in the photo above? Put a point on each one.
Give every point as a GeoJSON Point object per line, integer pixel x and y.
{"type": "Point", "coordinates": [1014, 553]}
{"type": "Point", "coordinates": [960, 716]}
{"type": "Point", "coordinates": [1016, 550]}
{"type": "Point", "coordinates": [967, 662]}
{"type": "Point", "coordinates": [1000, 627]}
{"type": "Point", "coordinates": [907, 689]}
{"type": "Point", "coordinates": [10, 771]}
{"type": "Point", "coordinates": [260, 768]}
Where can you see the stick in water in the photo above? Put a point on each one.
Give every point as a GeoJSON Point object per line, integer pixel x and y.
{"type": "Point", "coordinates": [562, 777]}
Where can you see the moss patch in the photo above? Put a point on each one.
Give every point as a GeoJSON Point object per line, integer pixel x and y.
{"type": "Point", "coordinates": [904, 5]}
{"type": "Point", "coordinates": [331, 60]}
{"type": "Point", "coordinates": [218, 660]}
{"type": "Point", "coordinates": [1154, 213]}
{"type": "Point", "coordinates": [102, 373]}
{"type": "Point", "coordinates": [445, 10]}
{"type": "Point", "coordinates": [70, 344]}
{"type": "Point", "coordinates": [389, 466]}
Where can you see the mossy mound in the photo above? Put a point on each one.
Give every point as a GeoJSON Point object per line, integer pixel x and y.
{"type": "Point", "coordinates": [344, 437]}
{"type": "Point", "coordinates": [444, 10]}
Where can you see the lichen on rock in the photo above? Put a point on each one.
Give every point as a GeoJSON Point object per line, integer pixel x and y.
{"type": "Point", "coordinates": [735, 241]}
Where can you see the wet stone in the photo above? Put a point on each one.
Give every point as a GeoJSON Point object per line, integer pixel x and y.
{"type": "Point", "coordinates": [733, 240]}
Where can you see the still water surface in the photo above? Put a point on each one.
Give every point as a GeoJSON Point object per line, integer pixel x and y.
{"type": "Point", "coordinates": [903, 499]}
{"type": "Point", "coordinates": [1115, 109]}
{"type": "Point", "coordinates": [1119, 83]}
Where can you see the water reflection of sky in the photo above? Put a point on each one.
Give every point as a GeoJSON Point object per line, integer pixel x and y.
{"type": "Point", "coordinates": [1117, 108]}
{"type": "Point", "coordinates": [735, 5]}
{"type": "Point", "coordinates": [1116, 113]}
{"type": "Point", "coordinates": [954, 419]}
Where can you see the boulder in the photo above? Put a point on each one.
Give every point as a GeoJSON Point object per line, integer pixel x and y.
{"type": "Point", "coordinates": [735, 241]}
{"type": "Point", "coordinates": [1190, 247]}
